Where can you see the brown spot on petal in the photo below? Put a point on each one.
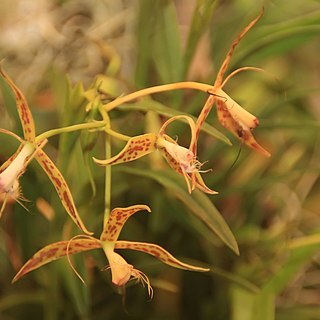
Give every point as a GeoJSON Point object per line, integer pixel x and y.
{"type": "Point", "coordinates": [61, 188]}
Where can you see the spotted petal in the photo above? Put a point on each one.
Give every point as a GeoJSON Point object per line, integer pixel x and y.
{"type": "Point", "coordinates": [235, 110]}
{"type": "Point", "coordinates": [117, 219]}
{"type": "Point", "coordinates": [219, 82]}
{"type": "Point", "coordinates": [62, 188]}
{"type": "Point", "coordinates": [158, 252]}
{"type": "Point", "coordinates": [23, 109]}
{"type": "Point", "coordinates": [56, 251]}
{"type": "Point", "coordinates": [233, 122]}
{"type": "Point", "coordinates": [135, 148]}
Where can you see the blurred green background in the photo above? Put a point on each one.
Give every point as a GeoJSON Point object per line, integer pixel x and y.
{"type": "Point", "coordinates": [271, 205]}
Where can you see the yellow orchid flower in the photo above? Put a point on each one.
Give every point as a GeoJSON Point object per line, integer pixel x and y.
{"type": "Point", "coordinates": [121, 271]}
{"type": "Point", "coordinates": [230, 114]}
{"type": "Point", "coordinates": [31, 147]}
{"type": "Point", "coordinates": [181, 159]}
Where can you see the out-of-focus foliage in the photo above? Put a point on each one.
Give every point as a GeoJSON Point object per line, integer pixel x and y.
{"type": "Point", "coordinates": [271, 205]}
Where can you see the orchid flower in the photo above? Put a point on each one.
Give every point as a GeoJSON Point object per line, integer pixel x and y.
{"type": "Point", "coordinates": [121, 271]}
{"type": "Point", "coordinates": [230, 114]}
{"type": "Point", "coordinates": [31, 147]}
{"type": "Point", "coordinates": [180, 159]}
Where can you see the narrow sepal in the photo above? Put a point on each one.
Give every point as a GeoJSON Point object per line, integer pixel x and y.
{"type": "Point", "coordinates": [56, 251]}
{"type": "Point", "coordinates": [159, 253]}
{"type": "Point", "coordinates": [199, 183]}
{"type": "Point", "coordinates": [117, 219]}
{"type": "Point", "coordinates": [200, 121]}
{"type": "Point", "coordinates": [135, 148]}
{"type": "Point", "coordinates": [62, 188]}
{"type": "Point", "coordinates": [228, 57]}
{"type": "Point", "coordinates": [22, 107]}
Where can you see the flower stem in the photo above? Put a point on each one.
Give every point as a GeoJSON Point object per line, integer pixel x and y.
{"type": "Point", "coordinates": [76, 127]}
{"type": "Point", "coordinates": [107, 191]}
{"type": "Point", "coordinates": [166, 87]}
{"type": "Point", "coordinates": [117, 135]}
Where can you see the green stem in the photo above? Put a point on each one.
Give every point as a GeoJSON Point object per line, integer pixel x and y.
{"type": "Point", "coordinates": [117, 135]}
{"type": "Point", "coordinates": [107, 191]}
{"type": "Point", "coordinates": [76, 127]}
{"type": "Point", "coordinates": [166, 87]}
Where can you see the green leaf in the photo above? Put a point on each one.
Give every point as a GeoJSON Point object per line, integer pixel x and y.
{"type": "Point", "coordinates": [166, 42]}
{"type": "Point", "coordinates": [112, 87]}
{"type": "Point", "coordinates": [297, 258]}
{"type": "Point", "coordinates": [15, 300]}
{"type": "Point", "coordinates": [279, 38]}
{"type": "Point", "coordinates": [236, 279]}
{"type": "Point", "coordinates": [304, 312]}
{"type": "Point", "coordinates": [242, 303]}
{"type": "Point", "coordinates": [304, 242]}
{"type": "Point", "coordinates": [76, 291]}
{"type": "Point", "coordinates": [72, 112]}
{"type": "Point", "coordinates": [144, 30]}
{"type": "Point", "coordinates": [202, 16]}
{"type": "Point", "coordinates": [199, 204]}
{"type": "Point", "coordinates": [158, 42]}
{"type": "Point", "coordinates": [247, 305]}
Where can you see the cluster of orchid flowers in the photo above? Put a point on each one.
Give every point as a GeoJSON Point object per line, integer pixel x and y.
{"type": "Point", "coordinates": [182, 160]}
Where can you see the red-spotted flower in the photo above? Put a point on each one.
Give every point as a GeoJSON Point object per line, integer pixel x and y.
{"type": "Point", "coordinates": [181, 159]}
{"type": "Point", "coordinates": [230, 114]}
{"type": "Point", "coordinates": [121, 271]}
{"type": "Point", "coordinates": [30, 148]}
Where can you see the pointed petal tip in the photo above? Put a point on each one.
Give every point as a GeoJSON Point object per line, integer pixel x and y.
{"type": "Point", "coordinates": [208, 191]}
{"type": "Point", "coordinates": [100, 162]}
{"type": "Point", "coordinates": [89, 233]}
{"type": "Point", "coordinates": [260, 149]}
{"type": "Point", "coordinates": [136, 147]}
{"type": "Point", "coordinates": [265, 152]}
{"type": "Point", "coordinates": [212, 192]}
{"type": "Point", "coordinates": [18, 276]}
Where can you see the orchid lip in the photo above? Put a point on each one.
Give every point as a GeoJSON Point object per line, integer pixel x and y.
{"type": "Point", "coordinates": [120, 269]}
{"type": "Point", "coordinates": [11, 174]}
{"type": "Point", "coordinates": [182, 155]}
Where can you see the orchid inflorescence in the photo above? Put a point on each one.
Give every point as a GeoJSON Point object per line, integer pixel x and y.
{"type": "Point", "coordinates": [182, 160]}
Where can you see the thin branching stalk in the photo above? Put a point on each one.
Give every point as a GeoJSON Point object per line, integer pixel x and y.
{"type": "Point", "coordinates": [76, 127]}
{"type": "Point", "coordinates": [162, 88]}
